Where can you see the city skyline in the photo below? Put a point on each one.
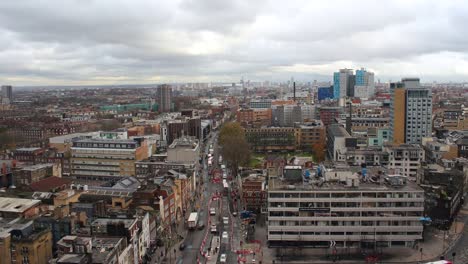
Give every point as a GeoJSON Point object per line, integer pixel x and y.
{"type": "Point", "coordinates": [126, 42]}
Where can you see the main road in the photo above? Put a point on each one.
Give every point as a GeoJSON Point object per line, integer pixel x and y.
{"type": "Point", "coordinates": [461, 246]}
{"type": "Point", "coordinates": [194, 238]}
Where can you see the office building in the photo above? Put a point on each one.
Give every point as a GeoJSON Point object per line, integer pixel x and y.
{"type": "Point", "coordinates": [364, 87]}
{"type": "Point", "coordinates": [337, 210]}
{"type": "Point", "coordinates": [325, 93]}
{"type": "Point", "coordinates": [310, 135]}
{"type": "Point", "coordinates": [164, 96]}
{"type": "Point", "coordinates": [106, 159]}
{"type": "Point", "coordinates": [411, 112]}
{"type": "Point", "coordinates": [343, 83]}
{"type": "Point", "coordinates": [271, 138]}
{"type": "Point", "coordinates": [260, 103]}
{"type": "Point", "coordinates": [254, 117]}
{"type": "Point", "coordinates": [6, 97]}
{"type": "Point", "coordinates": [286, 115]}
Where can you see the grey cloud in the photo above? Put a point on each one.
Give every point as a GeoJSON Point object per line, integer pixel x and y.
{"type": "Point", "coordinates": [224, 40]}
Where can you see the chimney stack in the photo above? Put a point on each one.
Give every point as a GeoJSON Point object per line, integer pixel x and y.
{"type": "Point", "coordinates": [294, 91]}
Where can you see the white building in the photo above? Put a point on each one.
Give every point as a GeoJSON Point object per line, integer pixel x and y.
{"type": "Point", "coordinates": [405, 159]}
{"type": "Point", "coordinates": [344, 212]}
{"type": "Point", "coordinates": [184, 150]}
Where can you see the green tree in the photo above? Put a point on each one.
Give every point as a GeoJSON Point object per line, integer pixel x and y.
{"type": "Point", "coordinates": [234, 147]}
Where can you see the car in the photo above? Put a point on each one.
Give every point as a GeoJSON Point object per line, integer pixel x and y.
{"type": "Point", "coordinates": [234, 213]}
{"type": "Point", "coordinates": [253, 261]}
{"type": "Point", "coordinates": [201, 225]}
{"type": "Point", "coordinates": [213, 229]}
{"type": "Point", "coordinates": [223, 258]}
{"type": "Point", "coordinates": [225, 220]}
{"type": "Point", "coordinates": [181, 246]}
{"type": "Point", "coordinates": [212, 211]}
{"type": "Point", "coordinates": [225, 236]}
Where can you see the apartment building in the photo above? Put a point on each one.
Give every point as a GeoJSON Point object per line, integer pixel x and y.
{"type": "Point", "coordinates": [344, 212]}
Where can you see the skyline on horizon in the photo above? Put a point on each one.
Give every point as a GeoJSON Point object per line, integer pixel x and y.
{"type": "Point", "coordinates": [143, 42]}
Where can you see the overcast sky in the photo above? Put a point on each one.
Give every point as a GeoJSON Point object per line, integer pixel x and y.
{"type": "Point", "coordinates": [66, 42]}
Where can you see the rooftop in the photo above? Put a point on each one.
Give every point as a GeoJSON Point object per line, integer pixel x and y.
{"type": "Point", "coordinates": [27, 149]}
{"type": "Point", "coordinates": [191, 142]}
{"type": "Point", "coordinates": [104, 221]}
{"type": "Point", "coordinates": [316, 185]}
{"type": "Point", "coordinates": [107, 141]}
{"type": "Point", "coordinates": [16, 205]}
{"type": "Point", "coordinates": [37, 167]}
{"type": "Point", "coordinates": [344, 177]}
{"type": "Point", "coordinates": [72, 258]}
{"type": "Point", "coordinates": [337, 131]}
{"type": "Point", "coordinates": [49, 183]}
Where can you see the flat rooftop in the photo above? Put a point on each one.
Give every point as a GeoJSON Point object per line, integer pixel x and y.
{"type": "Point", "coordinates": [278, 185]}
{"type": "Point", "coordinates": [16, 205]}
{"type": "Point", "coordinates": [37, 167]}
{"type": "Point", "coordinates": [27, 149]}
{"type": "Point", "coordinates": [104, 221]}
{"type": "Point", "coordinates": [338, 131]}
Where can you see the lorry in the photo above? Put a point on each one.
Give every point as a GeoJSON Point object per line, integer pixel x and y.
{"type": "Point", "coordinates": [193, 220]}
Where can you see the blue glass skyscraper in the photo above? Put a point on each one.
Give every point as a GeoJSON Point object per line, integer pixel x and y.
{"type": "Point", "coordinates": [336, 85]}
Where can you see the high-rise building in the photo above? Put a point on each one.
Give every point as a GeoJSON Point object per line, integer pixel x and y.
{"type": "Point", "coordinates": [164, 95]}
{"type": "Point", "coordinates": [7, 94]}
{"type": "Point", "coordinates": [411, 111]}
{"type": "Point", "coordinates": [343, 83]}
{"type": "Point", "coordinates": [364, 87]}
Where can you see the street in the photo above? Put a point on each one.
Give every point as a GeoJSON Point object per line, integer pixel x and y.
{"type": "Point", "coordinates": [194, 238]}
{"type": "Point", "coordinates": [461, 247]}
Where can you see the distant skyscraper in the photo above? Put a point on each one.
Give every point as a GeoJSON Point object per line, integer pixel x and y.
{"type": "Point", "coordinates": [411, 111]}
{"type": "Point", "coordinates": [343, 83]}
{"type": "Point", "coordinates": [364, 87]}
{"type": "Point", "coordinates": [7, 94]}
{"type": "Point", "coordinates": [164, 95]}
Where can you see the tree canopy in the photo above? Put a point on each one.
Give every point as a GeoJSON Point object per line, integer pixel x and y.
{"type": "Point", "coordinates": [234, 147]}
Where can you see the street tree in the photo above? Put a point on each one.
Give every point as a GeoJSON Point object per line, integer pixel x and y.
{"type": "Point", "coordinates": [234, 147]}
{"type": "Point", "coordinates": [319, 152]}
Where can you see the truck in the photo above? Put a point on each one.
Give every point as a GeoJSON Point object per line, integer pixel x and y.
{"type": "Point", "coordinates": [193, 220]}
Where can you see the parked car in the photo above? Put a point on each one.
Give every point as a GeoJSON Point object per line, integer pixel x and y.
{"type": "Point", "coordinates": [225, 220]}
